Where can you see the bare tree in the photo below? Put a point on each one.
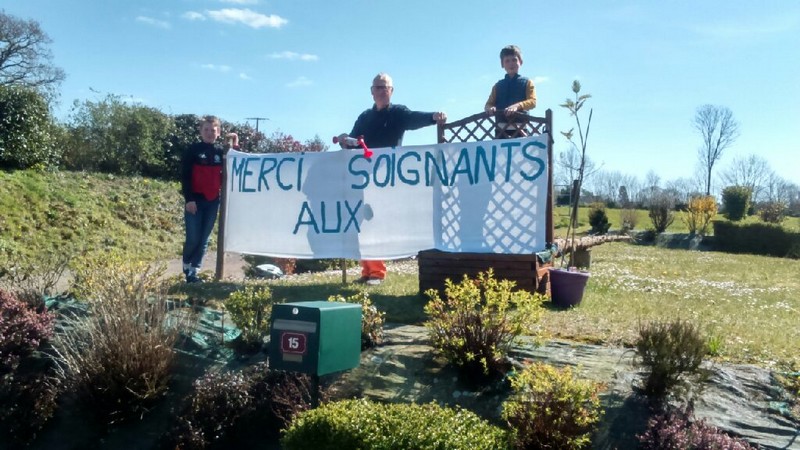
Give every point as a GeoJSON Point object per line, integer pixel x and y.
{"type": "Point", "coordinates": [719, 129]}
{"type": "Point", "coordinates": [569, 165]}
{"type": "Point", "coordinates": [752, 171]}
{"type": "Point", "coordinates": [25, 59]}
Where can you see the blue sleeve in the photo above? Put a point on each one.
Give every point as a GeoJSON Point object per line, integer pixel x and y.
{"type": "Point", "coordinates": [413, 120]}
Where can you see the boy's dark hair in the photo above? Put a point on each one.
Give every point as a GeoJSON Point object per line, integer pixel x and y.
{"type": "Point", "coordinates": [511, 50]}
{"type": "Point", "coordinates": [214, 120]}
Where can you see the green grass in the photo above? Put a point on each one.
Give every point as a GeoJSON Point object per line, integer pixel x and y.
{"type": "Point", "coordinates": [749, 306]}
{"type": "Point", "coordinates": [561, 219]}
{"type": "Point", "coordinates": [74, 211]}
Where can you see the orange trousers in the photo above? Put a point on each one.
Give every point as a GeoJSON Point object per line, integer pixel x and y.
{"type": "Point", "coordinates": [373, 269]}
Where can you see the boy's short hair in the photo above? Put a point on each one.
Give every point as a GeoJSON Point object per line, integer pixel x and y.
{"type": "Point", "coordinates": [213, 120]}
{"type": "Point", "coordinates": [511, 50]}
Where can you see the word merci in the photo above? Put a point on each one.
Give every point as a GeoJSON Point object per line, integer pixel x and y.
{"type": "Point", "coordinates": [500, 161]}
{"type": "Point", "coordinates": [412, 167]}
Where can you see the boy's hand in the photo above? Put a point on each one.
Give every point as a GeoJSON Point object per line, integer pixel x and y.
{"type": "Point", "coordinates": [232, 139]}
{"type": "Point", "coordinates": [490, 109]}
{"type": "Point", "coordinates": [191, 207]}
{"type": "Point", "coordinates": [512, 109]}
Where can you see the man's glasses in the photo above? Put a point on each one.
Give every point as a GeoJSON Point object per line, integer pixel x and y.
{"type": "Point", "coordinates": [381, 88]}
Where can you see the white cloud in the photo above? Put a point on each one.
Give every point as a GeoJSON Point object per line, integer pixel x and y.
{"type": "Point", "coordinates": [293, 56]}
{"type": "Point", "coordinates": [540, 80]}
{"type": "Point", "coordinates": [193, 15]}
{"type": "Point", "coordinates": [247, 17]}
{"type": "Point", "coordinates": [244, 76]}
{"type": "Point", "coordinates": [153, 22]}
{"type": "Point", "coordinates": [300, 82]}
{"type": "Point", "coordinates": [217, 68]}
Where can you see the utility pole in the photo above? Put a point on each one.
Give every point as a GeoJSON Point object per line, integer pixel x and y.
{"type": "Point", "coordinates": [257, 119]}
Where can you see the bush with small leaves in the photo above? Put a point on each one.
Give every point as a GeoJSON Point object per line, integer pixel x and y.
{"type": "Point", "coordinates": [677, 429]}
{"type": "Point", "coordinates": [660, 211]}
{"type": "Point", "coordinates": [598, 218]}
{"type": "Point", "coordinates": [669, 351]}
{"type": "Point", "coordinates": [372, 320]}
{"type": "Point", "coordinates": [352, 424]}
{"type": "Point", "coordinates": [250, 309]}
{"type": "Point", "coordinates": [629, 219]}
{"type": "Point", "coordinates": [772, 212]}
{"type": "Point", "coordinates": [476, 323]}
{"type": "Point", "coordinates": [28, 392]}
{"type": "Point", "coordinates": [736, 202]}
{"type": "Point", "coordinates": [551, 408]}
{"type": "Point", "coordinates": [226, 405]}
{"type": "Point", "coordinates": [699, 213]}
{"type": "Point", "coordinates": [22, 331]}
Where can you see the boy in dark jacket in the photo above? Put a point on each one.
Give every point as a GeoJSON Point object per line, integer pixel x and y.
{"type": "Point", "coordinates": [201, 179]}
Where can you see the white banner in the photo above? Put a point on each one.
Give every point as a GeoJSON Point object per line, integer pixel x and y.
{"type": "Point", "coordinates": [487, 197]}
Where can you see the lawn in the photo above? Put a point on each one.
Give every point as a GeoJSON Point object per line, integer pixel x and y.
{"type": "Point", "coordinates": [749, 306]}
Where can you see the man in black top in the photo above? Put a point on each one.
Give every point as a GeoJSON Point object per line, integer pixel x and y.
{"type": "Point", "coordinates": [383, 125]}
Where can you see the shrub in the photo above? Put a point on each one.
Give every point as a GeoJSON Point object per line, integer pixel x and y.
{"type": "Point", "coordinates": [27, 392]}
{"type": "Point", "coordinates": [22, 331]}
{"type": "Point", "coordinates": [372, 320]}
{"type": "Point", "coordinates": [29, 401]}
{"type": "Point", "coordinates": [598, 218]}
{"type": "Point", "coordinates": [117, 357]}
{"type": "Point", "coordinates": [112, 275]}
{"type": "Point", "coordinates": [668, 350]}
{"type": "Point", "coordinates": [476, 323]}
{"type": "Point", "coordinates": [250, 309]}
{"type": "Point", "coordinates": [628, 218]}
{"type": "Point", "coordinates": [677, 429]}
{"type": "Point", "coordinates": [699, 213]}
{"type": "Point", "coordinates": [27, 131]}
{"type": "Point", "coordinates": [352, 424]}
{"type": "Point", "coordinates": [772, 212]}
{"type": "Point", "coordinates": [756, 238]}
{"type": "Point", "coordinates": [224, 405]}
{"type": "Point", "coordinates": [33, 276]}
{"type": "Point", "coordinates": [550, 408]}
{"type": "Point", "coordinates": [736, 202]}
{"type": "Point", "coordinates": [660, 212]}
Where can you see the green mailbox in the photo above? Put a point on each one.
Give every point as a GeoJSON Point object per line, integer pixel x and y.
{"type": "Point", "coordinates": [315, 337]}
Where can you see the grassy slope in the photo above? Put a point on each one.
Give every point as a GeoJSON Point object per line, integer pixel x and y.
{"type": "Point", "coordinates": [74, 210]}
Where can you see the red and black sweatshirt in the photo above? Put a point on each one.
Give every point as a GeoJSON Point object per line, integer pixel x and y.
{"type": "Point", "coordinates": [201, 172]}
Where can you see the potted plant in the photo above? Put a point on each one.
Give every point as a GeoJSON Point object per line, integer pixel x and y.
{"type": "Point", "coordinates": [568, 284]}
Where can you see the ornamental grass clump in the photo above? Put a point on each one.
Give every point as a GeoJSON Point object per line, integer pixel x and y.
{"type": "Point", "coordinates": [476, 322]}
{"type": "Point", "coordinates": [116, 354]}
{"type": "Point", "coordinates": [551, 408]}
{"type": "Point", "coordinates": [670, 353]}
{"type": "Point", "coordinates": [372, 319]}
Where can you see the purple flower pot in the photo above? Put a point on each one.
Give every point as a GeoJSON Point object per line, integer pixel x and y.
{"type": "Point", "coordinates": [566, 288]}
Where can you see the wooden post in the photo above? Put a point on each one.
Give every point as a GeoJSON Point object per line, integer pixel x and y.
{"type": "Point", "coordinates": [223, 210]}
{"type": "Point", "coordinates": [549, 232]}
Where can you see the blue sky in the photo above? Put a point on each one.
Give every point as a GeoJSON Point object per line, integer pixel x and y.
{"type": "Point", "coordinates": [307, 65]}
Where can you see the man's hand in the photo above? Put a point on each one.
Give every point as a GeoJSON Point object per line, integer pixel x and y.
{"type": "Point", "coordinates": [439, 117]}
{"type": "Point", "coordinates": [490, 110]}
{"type": "Point", "coordinates": [191, 207]}
{"type": "Point", "coordinates": [343, 140]}
{"type": "Point", "coordinates": [512, 109]}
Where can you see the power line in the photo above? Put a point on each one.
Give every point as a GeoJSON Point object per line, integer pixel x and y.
{"type": "Point", "coordinates": [257, 119]}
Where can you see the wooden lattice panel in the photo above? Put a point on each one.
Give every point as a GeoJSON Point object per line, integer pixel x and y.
{"type": "Point", "coordinates": [483, 127]}
{"type": "Point", "coordinates": [435, 266]}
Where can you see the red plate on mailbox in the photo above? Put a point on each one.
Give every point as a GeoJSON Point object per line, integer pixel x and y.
{"type": "Point", "coordinates": [293, 343]}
